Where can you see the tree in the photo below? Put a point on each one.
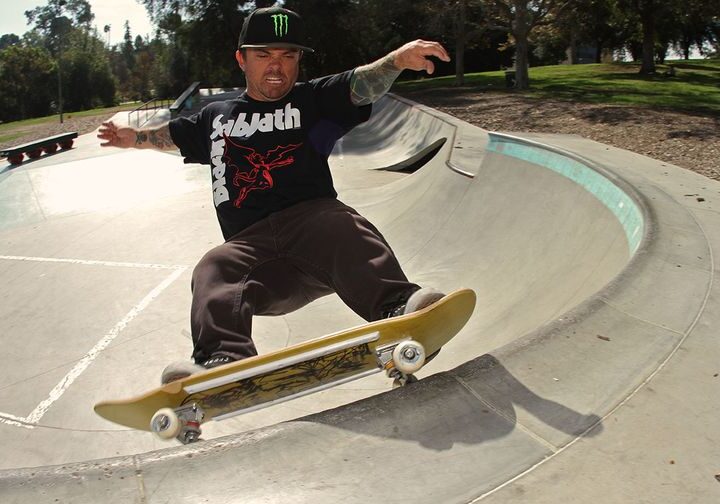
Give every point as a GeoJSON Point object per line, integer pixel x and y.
{"type": "Point", "coordinates": [62, 27]}
{"type": "Point", "coordinates": [208, 35]}
{"type": "Point", "coordinates": [53, 25]}
{"type": "Point", "coordinates": [460, 25]}
{"type": "Point", "coordinates": [52, 19]}
{"type": "Point", "coordinates": [8, 40]}
{"type": "Point", "coordinates": [460, 32]}
{"type": "Point", "coordinates": [172, 73]}
{"type": "Point", "coordinates": [714, 37]}
{"type": "Point", "coordinates": [519, 18]}
{"type": "Point", "coordinates": [695, 25]}
{"type": "Point", "coordinates": [128, 50]}
{"type": "Point", "coordinates": [650, 14]}
{"type": "Point", "coordinates": [596, 23]}
{"type": "Point", "coordinates": [24, 74]}
{"type": "Point", "coordinates": [340, 31]}
{"type": "Point", "coordinates": [106, 30]}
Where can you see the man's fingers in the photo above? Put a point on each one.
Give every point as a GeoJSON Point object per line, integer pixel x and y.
{"type": "Point", "coordinates": [107, 140]}
{"type": "Point", "coordinates": [415, 55]}
{"type": "Point", "coordinates": [104, 131]}
{"type": "Point", "coordinates": [108, 133]}
{"type": "Point", "coordinates": [437, 50]}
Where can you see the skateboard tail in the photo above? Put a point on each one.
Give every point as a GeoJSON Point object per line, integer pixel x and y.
{"type": "Point", "coordinates": [130, 413]}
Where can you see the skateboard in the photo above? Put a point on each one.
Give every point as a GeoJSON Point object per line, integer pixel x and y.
{"type": "Point", "coordinates": [34, 149]}
{"type": "Point", "coordinates": [398, 346]}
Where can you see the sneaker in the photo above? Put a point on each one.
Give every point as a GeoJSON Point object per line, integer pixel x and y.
{"type": "Point", "coordinates": [182, 369]}
{"type": "Point", "coordinates": [417, 301]}
{"type": "Point", "coordinates": [422, 299]}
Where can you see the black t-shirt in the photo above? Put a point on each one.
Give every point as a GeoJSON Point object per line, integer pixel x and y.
{"type": "Point", "coordinates": [267, 156]}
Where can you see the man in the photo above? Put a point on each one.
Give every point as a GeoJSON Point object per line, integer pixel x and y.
{"type": "Point", "coordinates": [288, 239]}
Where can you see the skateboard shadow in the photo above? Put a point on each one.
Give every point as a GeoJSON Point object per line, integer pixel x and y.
{"type": "Point", "coordinates": [27, 162]}
{"type": "Point", "coordinates": [5, 169]}
{"type": "Point", "coordinates": [472, 404]}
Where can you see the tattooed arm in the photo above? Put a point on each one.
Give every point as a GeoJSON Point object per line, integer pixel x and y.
{"type": "Point", "coordinates": [126, 137]}
{"type": "Point", "coordinates": [370, 82]}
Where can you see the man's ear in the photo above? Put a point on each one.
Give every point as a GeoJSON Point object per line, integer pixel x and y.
{"type": "Point", "coordinates": [240, 60]}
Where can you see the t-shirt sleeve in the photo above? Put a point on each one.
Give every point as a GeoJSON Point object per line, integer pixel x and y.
{"type": "Point", "coordinates": [334, 103]}
{"type": "Point", "coordinates": [190, 135]}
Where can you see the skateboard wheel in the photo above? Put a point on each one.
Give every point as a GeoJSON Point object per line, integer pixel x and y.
{"type": "Point", "coordinates": [165, 424]}
{"type": "Point", "coordinates": [408, 357]}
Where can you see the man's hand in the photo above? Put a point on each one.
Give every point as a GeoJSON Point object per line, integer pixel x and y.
{"type": "Point", "coordinates": [370, 82]}
{"type": "Point", "coordinates": [117, 136]}
{"type": "Point", "coordinates": [414, 55]}
{"type": "Point", "coordinates": [126, 137]}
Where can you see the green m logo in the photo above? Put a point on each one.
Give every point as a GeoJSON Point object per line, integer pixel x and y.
{"type": "Point", "coordinates": [281, 24]}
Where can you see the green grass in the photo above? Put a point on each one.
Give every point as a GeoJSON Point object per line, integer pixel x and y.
{"type": "Point", "coordinates": [695, 87]}
{"type": "Point", "coordinates": [8, 131]}
{"type": "Point", "coordinates": [9, 137]}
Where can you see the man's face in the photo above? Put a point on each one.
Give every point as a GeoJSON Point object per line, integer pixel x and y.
{"type": "Point", "coordinates": [270, 73]}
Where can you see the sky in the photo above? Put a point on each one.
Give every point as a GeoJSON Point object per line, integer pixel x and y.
{"type": "Point", "coordinates": [112, 12]}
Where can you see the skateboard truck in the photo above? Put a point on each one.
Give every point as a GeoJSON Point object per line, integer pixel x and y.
{"type": "Point", "coordinates": [401, 360]}
{"type": "Point", "coordinates": [182, 423]}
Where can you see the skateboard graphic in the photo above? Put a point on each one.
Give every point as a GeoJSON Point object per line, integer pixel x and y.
{"type": "Point", "coordinates": [398, 346]}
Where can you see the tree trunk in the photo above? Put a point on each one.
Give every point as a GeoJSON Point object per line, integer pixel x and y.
{"type": "Point", "coordinates": [521, 30]}
{"type": "Point", "coordinates": [460, 35]}
{"type": "Point", "coordinates": [522, 76]}
{"type": "Point", "coordinates": [572, 50]}
{"type": "Point", "coordinates": [648, 48]}
{"type": "Point", "coordinates": [686, 44]}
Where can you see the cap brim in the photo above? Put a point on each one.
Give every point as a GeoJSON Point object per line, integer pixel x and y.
{"type": "Point", "coordinates": [278, 45]}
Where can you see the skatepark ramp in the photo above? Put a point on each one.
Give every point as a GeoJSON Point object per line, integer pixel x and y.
{"type": "Point", "coordinates": [592, 270]}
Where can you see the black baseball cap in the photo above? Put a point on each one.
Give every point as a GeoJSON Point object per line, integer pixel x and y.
{"type": "Point", "coordinates": [273, 27]}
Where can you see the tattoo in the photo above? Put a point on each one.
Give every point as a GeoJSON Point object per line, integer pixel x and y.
{"type": "Point", "coordinates": [157, 138]}
{"type": "Point", "coordinates": [370, 82]}
{"type": "Point", "coordinates": [161, 139]}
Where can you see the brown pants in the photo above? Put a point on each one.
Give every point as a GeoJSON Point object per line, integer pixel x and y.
{"type": "Point", "coordinates": [282, 263]}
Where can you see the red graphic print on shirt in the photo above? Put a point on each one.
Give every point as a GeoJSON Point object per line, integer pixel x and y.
{"type": "Point", "coordinates": [254, 173]}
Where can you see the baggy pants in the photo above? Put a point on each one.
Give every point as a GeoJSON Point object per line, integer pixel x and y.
{"type": "Point", "coordinates": [285, 261]}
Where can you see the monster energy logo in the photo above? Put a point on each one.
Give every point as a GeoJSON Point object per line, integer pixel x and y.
{"type": "Point", "coordinates": [281, 24]}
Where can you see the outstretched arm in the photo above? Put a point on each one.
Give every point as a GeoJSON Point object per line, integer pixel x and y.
{"type": "Point", "coordinates": [126, 137]}
{"type": "Point", "coordinates": [370, 82]}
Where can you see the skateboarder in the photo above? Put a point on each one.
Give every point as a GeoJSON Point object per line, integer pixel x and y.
{"type": "Point", "coordinates": [288, 239]}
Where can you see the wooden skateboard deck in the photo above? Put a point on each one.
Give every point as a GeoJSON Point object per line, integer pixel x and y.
{"type": "Point", "coordinates": [297, 370]}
